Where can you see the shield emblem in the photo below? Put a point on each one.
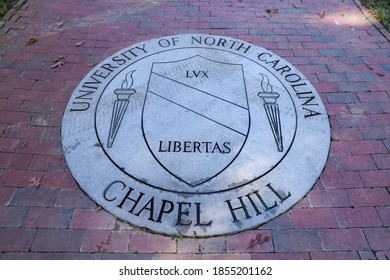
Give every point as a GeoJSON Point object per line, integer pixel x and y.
{"type": "Point", "coordinates": [195, 117]}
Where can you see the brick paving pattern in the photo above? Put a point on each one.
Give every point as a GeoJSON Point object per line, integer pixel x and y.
{"type": "Point", "coordinates": [345, 54]}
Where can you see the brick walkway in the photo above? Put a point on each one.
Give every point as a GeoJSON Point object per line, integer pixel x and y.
{"type": "Point", "coordinates": [44, 215]}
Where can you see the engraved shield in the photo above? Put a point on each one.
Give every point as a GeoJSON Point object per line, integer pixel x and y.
{"type": "Point", "coordinates": [195, 117]}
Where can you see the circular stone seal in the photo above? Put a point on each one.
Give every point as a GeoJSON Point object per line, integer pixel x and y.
{"type": "Point", "coordinates": [195, 135]}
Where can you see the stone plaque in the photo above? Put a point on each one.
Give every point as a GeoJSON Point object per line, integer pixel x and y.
{"type": "Point", "coordinates": [195, 135]}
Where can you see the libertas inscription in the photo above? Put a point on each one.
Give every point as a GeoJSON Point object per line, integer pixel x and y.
{"type": "Point", "coordinates": [195, 135]}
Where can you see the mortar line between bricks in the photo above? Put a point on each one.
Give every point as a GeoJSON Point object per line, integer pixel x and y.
{"type": "Point", "coordinates": [33, 239]}
{"type": "Point", "coordinates": [375, 253]}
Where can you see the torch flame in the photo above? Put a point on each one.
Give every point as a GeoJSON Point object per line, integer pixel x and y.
{"type": "Point", "coordinates": [265, 86]}
{"type": "Point", "coordinates": [128, 82]}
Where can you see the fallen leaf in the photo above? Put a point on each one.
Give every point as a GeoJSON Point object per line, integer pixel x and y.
{"type": "Point", "coordinates": [60, 24]}
{"type": "Point", "coordinates": [322, 14]}
{"type": "Point", "coordinates": [34, 181]}
{"type": "Point", "coordinates": [271, 10]}
{"type": "Point", "coordinates": [58, 58]}
{"type": "Point", "coordinates": [258, 240]}
{"type": "Point", "coordinates": [31, 41]}
{"type": "Point", "coordinates": [58, 64]}
{"type": "Point", "coordinates": [79, 43]}
{"type": "Point", "coordinates": [335, 138]}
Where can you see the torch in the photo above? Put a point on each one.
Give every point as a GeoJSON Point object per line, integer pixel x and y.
{"type": "Point", "coordinates": [272, 109]}
{"type": "Point", "coordinates": [120, 106]}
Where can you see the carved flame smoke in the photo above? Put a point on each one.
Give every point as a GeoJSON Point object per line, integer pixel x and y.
{"type": "Point", "coordinates": [265, 86]}
{"type": "Point", "coordinates": [128, 81]}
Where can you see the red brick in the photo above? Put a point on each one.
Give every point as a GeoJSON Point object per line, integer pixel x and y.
{"type": "Point", "coordinates": [332, 78]}
{"type": "Point", "coordinates": [25, 256]}
{"type": "Point", "coordinates": [241, 242]}
{"type": "Point", "coordinates": [280, 256]}
{"type": "Point", "coordinates": [350, 133]}
{"type": "Point", "coordinates": [53, 179]}
{"type": "Point", "coordinates": [9, 104]}
{"type": "Point", "coordinates": [337, 109]}
{"type": "Point", "coordinates": [378, 238]}
{"type": "Point", "coordinates": [375, 132]}
{"type": "Point", "coordinates": [6, 195]}
{"type": "Point", "coordinates": [127, 257]}
{"type": "Point", "coordinates": [32, 132]}
{"type": "Point", "coordinates": [12, 216]}
{"type": "Point", "coordinates": [40, 217]}
{"type": "Point", "coordinates": [76, 256]}
{"type": "Point", "coordinates": [14, 161]}
{"type": "Point", "coordinates": [57, 240]}
{"type": "Point", "coordinates": [18, 55]}
{"type": "Point", "coordinates": [303, 203]}
{"type": "Point", "coordinates": [105, 241]}
{"type": "Point", "coordinates": [210, 245]}
{"type": "Point", "coordinates": [37, 106]}
{"type": "Point", "coordinates": [380, 120]}
{"type": "Point", "coordinates": [313, 218]}
{"type": "Point", "coordinates": [49, 86]}
{"type": "Point", "coordinates": [346, 121]}
{"type": "Point", "coordinates": [73, 198]}
{"type": "Point", "coordinates": [339, 148]}
{"type": "Point", "coordinates": [16, 239]}
{"type": "Point", "coordinates": [375, 86]}
{"type": "Point", "coordinates": [383, 255]}
{"type": "Point", "coordinates": [367, 147]}
{"type": "Point", "coordinates": [366, 108]}
{"type": "Point", "coordinates": [384, 214]}
{"type": "Point", "coordinates": [92, 219]}
{"type": "Point", "coordinates": [23, 94]}
{"type": "Point", "coordinates": [375, 178]}
{"type": "Point", "coordinates": [369, 197]}
{"type": "Point", "coordinates": [49, 163]}
{"type": "Point", "coordinates": [34, 197]}
{"type": "Point", "coordinates": [36, 146]}
{"type": "Point", "coordinates": [17, 83]}
{"type": "Point", "coordinates": [281, 222]}
{"type": "Point", "coordinates": [239, 256]}
{"type": "Point", "coordinates": [337, 180]}
{"type": "Point", "coordinates": [329, 198]}
{"type": "Point", "coordinates": [296, 240]}
{"type": "Point", "coordinates": [143, 242]}
{"type": "Point", "coordinates": [14, 117]}
{"type": "Point", "coordinates": [8, 144]}
{"type": "Point", "coordinates": [343, 239]}
{"type": "Point", "coordinates": [373, 96]}
{"type": "Point", "coordinates": [355, 162]}
{"type": "Point", "coordinates": [341, 255]}
{"type": "Point", "coordinates": [357, 217]}
{"type": "Point", "coordinates": [19, 178]}
{"type": "Point", "coordinates": [170, 256]}
{"type": "Point", "coordinates": [382, 160]}
{"type": "Point", "coordinates": [361, 76]}
{"type": "Point", "coordinates": [367, 255]}
{"type": "Point", "coordinates": [385, 107]}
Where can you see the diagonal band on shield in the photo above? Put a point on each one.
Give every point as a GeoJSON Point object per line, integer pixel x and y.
{"type": "Point", "coordinates": [200, 102]}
